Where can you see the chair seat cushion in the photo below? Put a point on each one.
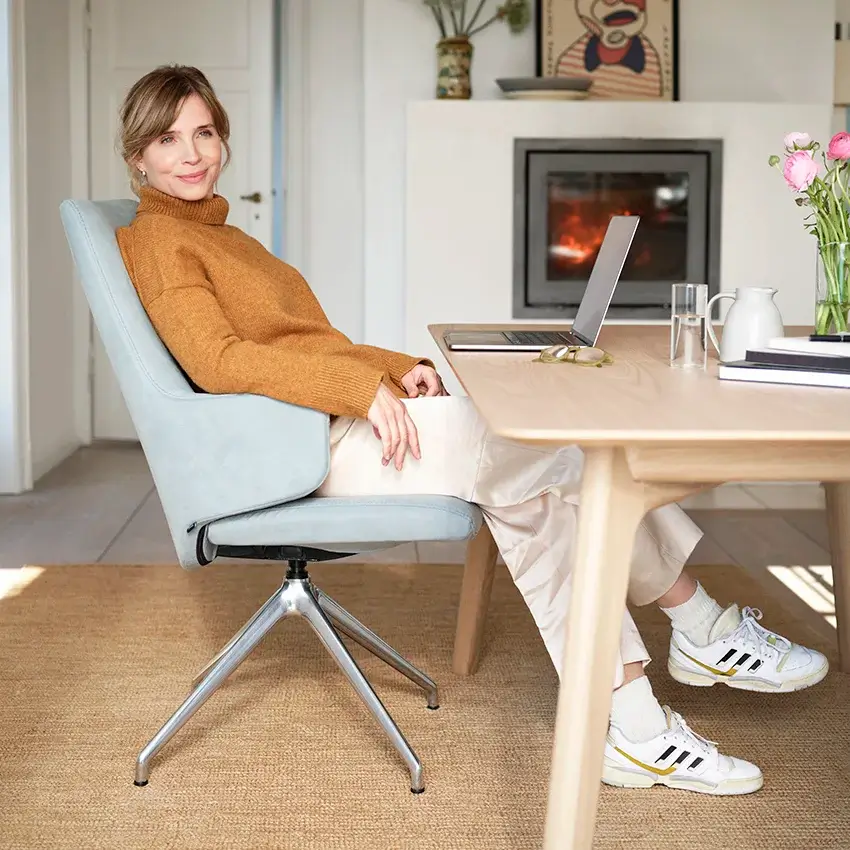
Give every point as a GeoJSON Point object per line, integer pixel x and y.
{"type": "Point", "coordinates": [363, 523]}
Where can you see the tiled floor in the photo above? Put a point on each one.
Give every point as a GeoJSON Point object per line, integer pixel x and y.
{"type": "Point", "coordinates": [101, 506]}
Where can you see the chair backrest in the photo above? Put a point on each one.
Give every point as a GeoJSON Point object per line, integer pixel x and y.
{"type": "Point", "coordinates": [211, 456]}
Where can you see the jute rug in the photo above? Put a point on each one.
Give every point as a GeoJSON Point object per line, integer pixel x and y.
{"type": "Point", "coordinates": [94, 658]}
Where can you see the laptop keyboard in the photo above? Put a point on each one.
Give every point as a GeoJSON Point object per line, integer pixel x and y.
{"type": "Point", "coordinates": [540, 338]}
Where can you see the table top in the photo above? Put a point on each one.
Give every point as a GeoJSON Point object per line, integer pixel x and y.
{"type": "Point", "coordinates": [639, 400]}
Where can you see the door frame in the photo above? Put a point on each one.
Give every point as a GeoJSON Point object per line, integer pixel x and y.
{"type": "Point", "coordinates": [83, 327]}
{"type": "Point", "coordinates": [15, 446]}
{"type": "Point", "coordinates": [292, 37]}
{"type": "Point", "coordinates": [293, 88]}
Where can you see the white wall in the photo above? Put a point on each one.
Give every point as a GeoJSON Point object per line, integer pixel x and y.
{"type": "Point", "coordinates": [757, 50]}
{"type": "Point", "coordinates": [753, 51]}
{"type": "Point", "coordinates": [14, 473]}
{"type": "Point", "coordinates": [51, 284]}
{"type": "Point", "coordinates": [841, 119]}
{"type": "Point", "coordinates": [400, 67]}
{"type": "Point", "coordinates": [331, 128]}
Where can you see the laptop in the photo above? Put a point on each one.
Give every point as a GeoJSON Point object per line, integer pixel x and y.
{"type": "Point", "coordinates": [591, 312]}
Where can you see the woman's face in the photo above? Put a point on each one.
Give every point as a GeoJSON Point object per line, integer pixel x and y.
{"type": "Point", "coordinates": [185, 162]}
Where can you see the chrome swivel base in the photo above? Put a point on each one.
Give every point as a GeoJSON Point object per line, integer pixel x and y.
{"type": "Point", "coordinates": [298, 596]}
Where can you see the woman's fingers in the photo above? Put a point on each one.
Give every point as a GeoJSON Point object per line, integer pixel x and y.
{"type": "Point", "coordinates": [409, 385]}
{"type": "Point", "coordinates": [392, 427]}
{"type": "Point", "coordinates": [434, 383]}
{"type": "Point", "coordinates": [412, 436]}
{"type": "Point", "coordinates": [401, 450]}
{"type": "Point", "coordinates": [386, 437]}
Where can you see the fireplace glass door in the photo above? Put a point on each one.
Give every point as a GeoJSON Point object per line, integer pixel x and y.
{"type": "Point", "coordinates": [569, 199]}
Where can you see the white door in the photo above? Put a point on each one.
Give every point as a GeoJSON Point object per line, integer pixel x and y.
{"type": "Point", "coordinates": [231, 42]}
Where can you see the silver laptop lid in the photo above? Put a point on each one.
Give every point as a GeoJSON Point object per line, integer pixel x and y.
{"type": "Point", "coordinates": [604, 276]}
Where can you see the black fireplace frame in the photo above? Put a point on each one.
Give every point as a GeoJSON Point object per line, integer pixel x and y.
{"type": "Point", "coordinates": [525, 149]}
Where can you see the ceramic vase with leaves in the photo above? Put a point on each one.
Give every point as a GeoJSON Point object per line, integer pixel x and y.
{"type": "Point", "coordinates": [458, 21]}
{"type": "Point", "coordinates": [454, 65]}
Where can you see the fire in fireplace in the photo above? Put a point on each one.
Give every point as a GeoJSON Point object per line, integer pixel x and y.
{"type": "Point", "coordinates": [580, 206]}
{"type": "Point", "coordinates": [566, 192]}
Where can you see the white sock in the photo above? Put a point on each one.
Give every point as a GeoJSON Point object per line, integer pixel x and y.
{"type": "Point", "coordinates": [636, 713]}
{"type": "Point", "coordinates": [695, 617]}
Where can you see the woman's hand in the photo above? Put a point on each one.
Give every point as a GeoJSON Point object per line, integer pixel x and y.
{"type": "Point", "coordinates": [393, 426]}
{"type": "Point", "coordinates": [422, 380]}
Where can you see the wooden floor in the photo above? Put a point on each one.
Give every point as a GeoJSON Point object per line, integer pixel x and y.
{"type": "Point", "coordinates": [101, 506]}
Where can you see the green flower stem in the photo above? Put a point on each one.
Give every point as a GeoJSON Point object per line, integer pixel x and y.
{"type": "Point", "coordinates": [455, 22]}
{"type": "Point", "coordinates": [475, 14]}
{"type": "Point", "coordinates": [438, 17]}
{"type": "Point", "coordinates": [486, 23]}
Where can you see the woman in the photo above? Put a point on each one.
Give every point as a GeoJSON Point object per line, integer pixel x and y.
{"type": "Point", "coordinates": [237, 319]}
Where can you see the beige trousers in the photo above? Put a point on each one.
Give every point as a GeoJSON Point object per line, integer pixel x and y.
{"type": "Point", "coordinates": [529, 497]}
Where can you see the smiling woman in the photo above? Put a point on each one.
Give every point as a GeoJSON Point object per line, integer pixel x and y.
{"type": "Point", "coordinates": [173, 132]}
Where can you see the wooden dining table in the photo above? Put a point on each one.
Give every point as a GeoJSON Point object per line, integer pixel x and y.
{"type": "Point", "coordinates": [651, 435]}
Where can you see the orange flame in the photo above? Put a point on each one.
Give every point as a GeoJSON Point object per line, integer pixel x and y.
{"type": "Point", "coordinates": [577, 238]}
{"type": "Point", "coordinates": [578, 232]}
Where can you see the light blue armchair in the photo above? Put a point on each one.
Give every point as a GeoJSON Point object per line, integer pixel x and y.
{"type": "Point", "coordinates": [234, 474]}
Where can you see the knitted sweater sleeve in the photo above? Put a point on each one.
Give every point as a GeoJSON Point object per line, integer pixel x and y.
{"type": "Point", "coordinates": [194, 328]}
{"type": "Point", "coordinates": [393, 363]}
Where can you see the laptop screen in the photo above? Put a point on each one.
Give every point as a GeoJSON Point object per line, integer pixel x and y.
{"type": "Point", "coordinates": [604, 276]}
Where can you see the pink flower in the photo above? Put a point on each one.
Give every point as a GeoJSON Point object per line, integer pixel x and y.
{"type": "Point", "coordinates": [797, 141]}
{"type": "Point", "coordinates": [839, 146]}
{"type": "Point", "coordinates": [800, 170]}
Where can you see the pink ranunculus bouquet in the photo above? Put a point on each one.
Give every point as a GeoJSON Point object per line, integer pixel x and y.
{"type": "Point", "coordinates": [824, 190]}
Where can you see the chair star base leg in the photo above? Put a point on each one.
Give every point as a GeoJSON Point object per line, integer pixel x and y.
{"type": "Point", "coordinates": [351, 626]}
{"type": "Point", "coordinates": [299, 597]}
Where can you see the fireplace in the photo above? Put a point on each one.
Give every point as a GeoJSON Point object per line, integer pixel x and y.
{"type": "Point", "coordinates": [566, 190]}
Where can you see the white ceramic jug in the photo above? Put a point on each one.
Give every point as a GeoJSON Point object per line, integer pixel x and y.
{"type": "Point", "coordinates": [751, 321]}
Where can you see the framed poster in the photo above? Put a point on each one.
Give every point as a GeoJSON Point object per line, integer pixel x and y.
{"type": "Point", "coordinates": [627, 47]}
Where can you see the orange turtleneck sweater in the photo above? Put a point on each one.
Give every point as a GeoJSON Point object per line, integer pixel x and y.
{"type": "Point", "coordinates": [239, 320]}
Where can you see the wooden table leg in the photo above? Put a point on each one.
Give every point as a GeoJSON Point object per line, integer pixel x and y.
{"type": "Point", "coordinates": [838, 520]}
{"type": "Point", "coordinates": [611, 508]}
{"type": "Point", "coordinates": [481, 556]}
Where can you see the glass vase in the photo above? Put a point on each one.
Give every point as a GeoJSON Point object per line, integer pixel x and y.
{"type": "Point", "coordinates": [832, 299]}
{"type": "Point", "coordinates": [454, 61]}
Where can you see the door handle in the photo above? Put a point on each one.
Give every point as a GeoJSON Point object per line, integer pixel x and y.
{"type": "Point", "coordinates": [254, 198]}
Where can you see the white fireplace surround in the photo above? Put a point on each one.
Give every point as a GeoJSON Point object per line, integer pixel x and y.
{"type": "Point", "coordinates": [459, 207]}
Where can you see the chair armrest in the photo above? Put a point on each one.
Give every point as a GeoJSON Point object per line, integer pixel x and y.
{"type": "Point", "coordinates": [248, 452]}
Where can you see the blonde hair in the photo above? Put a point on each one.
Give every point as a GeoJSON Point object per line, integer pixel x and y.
{"type": "Point", "coordinates": [153, 103]}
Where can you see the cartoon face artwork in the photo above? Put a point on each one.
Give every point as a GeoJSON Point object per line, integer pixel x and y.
{"type": "Point", "coordinates": [614, 51]}
{"type": "Point", "coordinates": [614, 22]}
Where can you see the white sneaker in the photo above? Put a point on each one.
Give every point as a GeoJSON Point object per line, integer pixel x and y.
{"type": "Point", "coordinates": [677, 758]}
{"type": "Point", "coordinates": [749, 657]}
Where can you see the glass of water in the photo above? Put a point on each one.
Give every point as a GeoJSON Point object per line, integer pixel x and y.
{"type": "Point", "coordinates": [687, 326]}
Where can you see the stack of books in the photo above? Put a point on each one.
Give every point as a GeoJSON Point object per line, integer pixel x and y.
{"type": "Point", "coordinates": [816, 362]}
